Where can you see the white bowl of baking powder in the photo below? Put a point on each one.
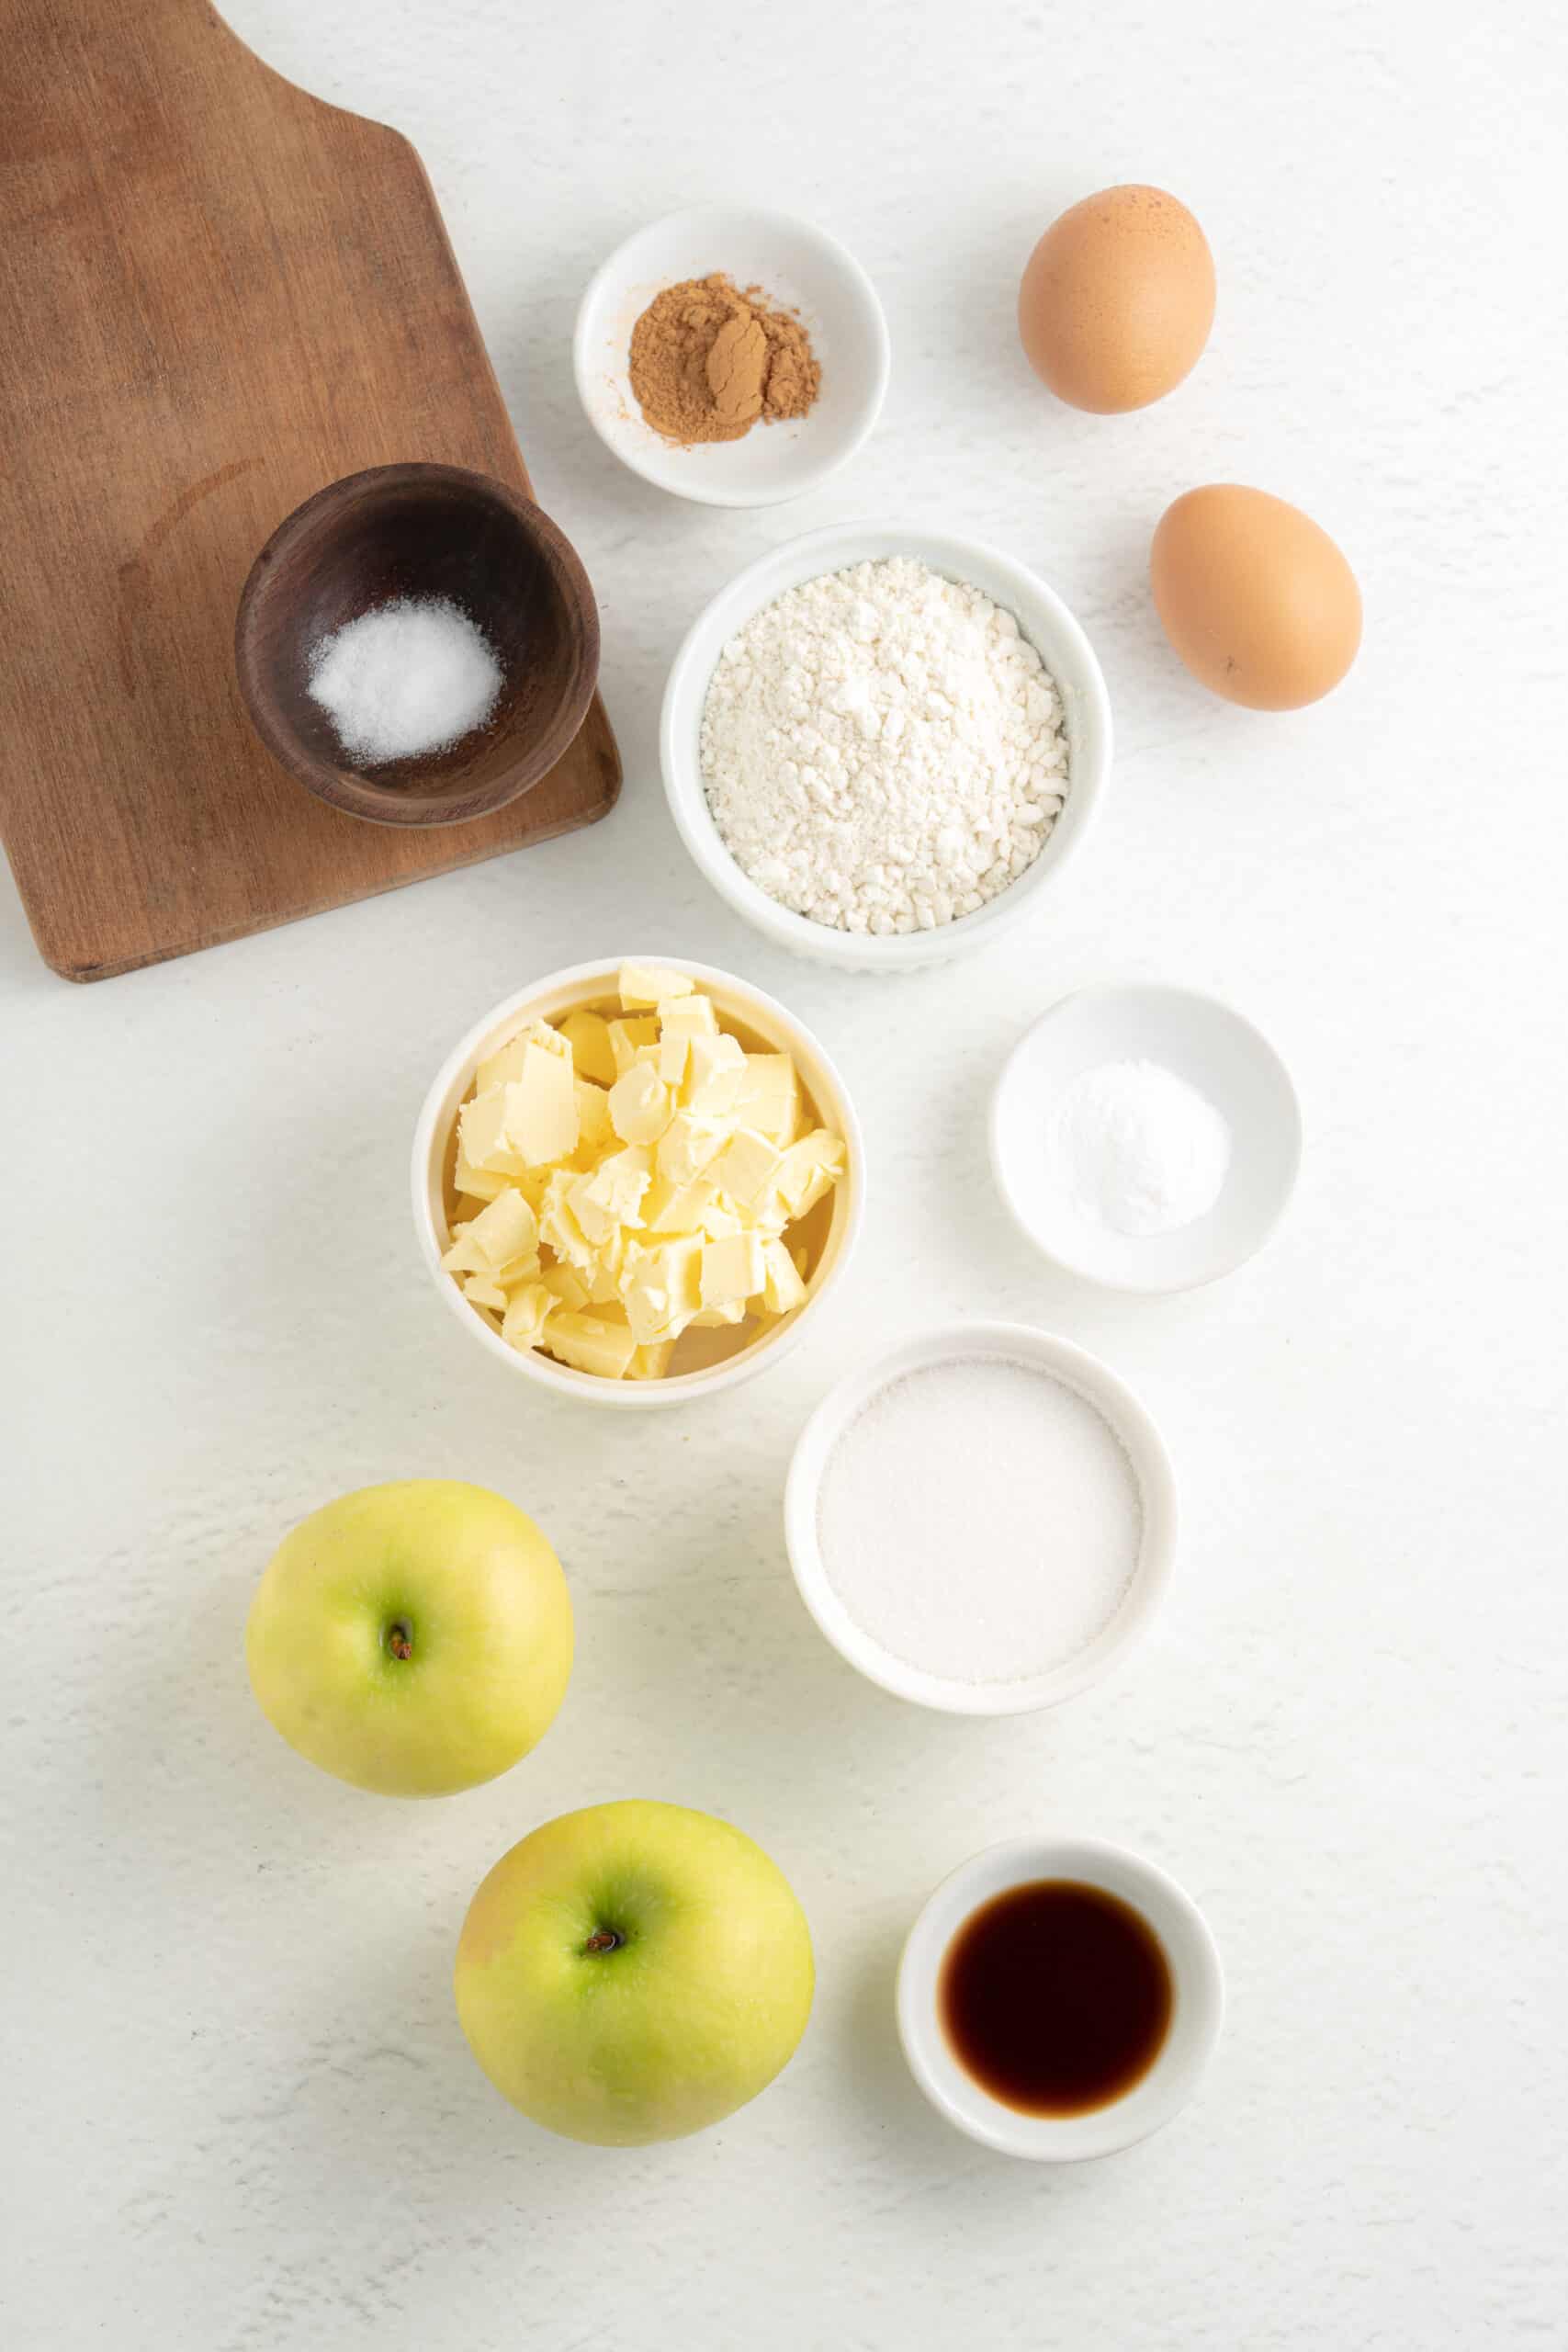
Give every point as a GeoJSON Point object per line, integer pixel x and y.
{"type": "Point", "coordinates": [1191, 1041]}
{"type": "Point", "coordinates": [1043, 621]}
{"type": "Point", "coordinates": [983, 1521]}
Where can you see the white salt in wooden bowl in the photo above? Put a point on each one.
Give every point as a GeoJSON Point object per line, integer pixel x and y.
{"type": "Point", "coordinates": [1087, 1378]}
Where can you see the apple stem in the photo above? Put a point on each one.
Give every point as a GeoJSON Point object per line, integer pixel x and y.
{"type": "Point", "coordinates": [398, 1641]}
{"type": "Point", "coordinates": [603, 1940]}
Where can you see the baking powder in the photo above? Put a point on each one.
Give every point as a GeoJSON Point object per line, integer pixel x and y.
{"type": "Point", "coordinates": [980, 1520]}
{"type": "Point", "coordinates": [881, 751]}
{"type": "Point", "coordinates": [1132, 1145]}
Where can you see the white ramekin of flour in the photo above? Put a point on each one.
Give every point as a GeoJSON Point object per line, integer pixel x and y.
{"type": "Point", "coordinates": [956, 836]}
{"type": "Point", "coordinates": [982, 1522]}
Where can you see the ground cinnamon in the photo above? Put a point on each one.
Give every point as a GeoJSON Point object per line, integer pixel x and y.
{"type": "Point", "coordinates": [708, 362]}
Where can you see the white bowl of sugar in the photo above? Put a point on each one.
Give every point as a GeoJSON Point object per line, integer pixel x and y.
{"type": "Point", "coordinates": [983, 1521]}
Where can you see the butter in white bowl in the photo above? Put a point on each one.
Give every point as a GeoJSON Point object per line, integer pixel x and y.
{"type": "Point", "coordinates": [637, 1185]}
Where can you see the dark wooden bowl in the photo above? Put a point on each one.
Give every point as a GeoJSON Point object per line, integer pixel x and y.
{"type": "Point", "coordinates": [417, 530]}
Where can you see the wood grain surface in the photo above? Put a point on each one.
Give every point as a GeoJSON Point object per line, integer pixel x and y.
{"type": "Point", "coordinates": [218, 294]}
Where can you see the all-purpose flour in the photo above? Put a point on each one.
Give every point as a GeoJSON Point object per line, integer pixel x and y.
{"type": "Point", "coordinates": [980, 1519]}
{"type": "Point", "coordinates": [881, 751]}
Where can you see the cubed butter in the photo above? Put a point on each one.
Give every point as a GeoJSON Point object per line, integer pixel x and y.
{"type": "Point", "coordinates": [622, 1178]}
{"type": "Point", "coordinates": [612, 1196]}
{"type": "Point", "coordinates": [506, 1228]}
{"type": "Point", "coordinates": [527, 1312]}
{"type": "Point", "coordinates": [782, 1287]}
{"type": "Point", "coordinates": [594, 1124]}
{"type": "Point", "coordinates": [604, 1285]}
{"type": "Point", "coordinates": [628, 1037]}
{"type": "Point", "coordinates": [696, 1015]}
{"type": "Point", "coordinates": [489, 1185]}
{"type": "Point", "coordinates": [565, 1286]}
{"type": "Point", "coordinates": [715, 1067]}
{"type": "Point", "coordinates": [509, 1228]}
{"type": "Point", "coordinates": [558, 1227]}
{"type": "Point", "coordinates": [591, 1211]}
{"type": "Point", "coordinates": [643, 984]}
{"type": "Point", "coordinates": [590, 1343]}
{"type": "Point", "coordinates": [483, 1141]}
{"type": "Point", "coordinates": [687, 1146]}
{"type": "Point", "coordinates": [678, 1208]}
{"type": "Point", "coordinates": [640, 1104]}
{"type": "Point", "coordinates": [588, 1035]}
{"type": "Point", "coordinates": [504, 1067]}
{"type": "Point", "coordinates": [769, 1100]}
{"type": "Point", "coordinates": [541, 1107]}
{"type": "Point", "coordinates": [661, 1288]}
{"type": "Point", "coordinates": [475, 1187]}
{"type": "Point", "coordinates": [732, 1269]}
{"type": "Point", "coordinates": [458, 1257]}
{"type": "Point", "coordinates": [747, 1166]}
{"type": "Point", "coordinates": [680, 1020]}
{"type": "Point", "coordinates": [518, 1269]}
{"type": "Point", "coordinates": [809, 1169]}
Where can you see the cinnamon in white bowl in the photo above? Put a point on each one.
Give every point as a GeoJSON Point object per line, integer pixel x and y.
{"type": "Point", "coordinates": [709, 361]}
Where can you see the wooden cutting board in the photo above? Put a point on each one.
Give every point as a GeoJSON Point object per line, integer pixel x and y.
{"type": "Point", "coordinates": [218, 294]}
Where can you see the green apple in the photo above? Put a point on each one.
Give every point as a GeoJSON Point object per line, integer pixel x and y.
{"type": "Point", "coordinates": [413, 1639]}
{"type": "Point", "coordinates": [634, 1971]}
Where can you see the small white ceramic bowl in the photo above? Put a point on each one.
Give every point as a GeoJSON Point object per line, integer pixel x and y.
{"type": "Point", "coordinates": [1043, 619]}
{"type": "Point", "coordinates": [1217, 1052]}
{"type": "Point", "coordinates": [1090, 1379]}
{"type": "Point", "coordinates": [547, 1000]}
{"type": "Point", "coordinates": [1198, 2010]}
{"type": "Point", "coordinates": [800, 268]}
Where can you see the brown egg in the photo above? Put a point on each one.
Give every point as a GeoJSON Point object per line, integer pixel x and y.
{"type": "Point", "coordinates": [1117, 300]}
{"type": "Point", "coordinates": [1259, 602]}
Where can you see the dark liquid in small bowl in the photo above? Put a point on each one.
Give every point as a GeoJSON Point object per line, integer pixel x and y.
{"type": "Point", "coordinates": [1056, 1998]}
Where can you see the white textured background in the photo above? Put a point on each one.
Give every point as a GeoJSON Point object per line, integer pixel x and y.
{"type": "Point", "coordinates": [239, 2114]}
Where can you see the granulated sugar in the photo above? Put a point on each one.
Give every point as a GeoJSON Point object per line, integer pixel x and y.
{"type": "Point", "coordinates": [980, 1519]}
{"type": "Point", "coordinates": [412, 676]}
